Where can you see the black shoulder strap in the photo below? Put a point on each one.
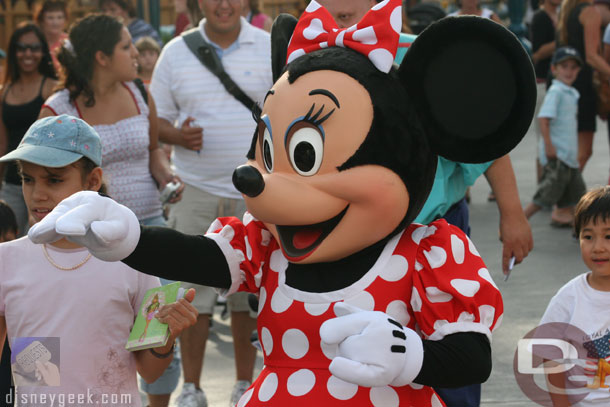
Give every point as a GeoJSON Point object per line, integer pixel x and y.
{"type": "Point", "coordinates": [141, 88]}
{"type": "Point", "coordinates": [208, 57]}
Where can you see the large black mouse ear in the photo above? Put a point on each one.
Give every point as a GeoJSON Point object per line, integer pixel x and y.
{"type": "Point", "coordinates": [473, 86]}
{"type": "Point", "coordinates": [281, 32]}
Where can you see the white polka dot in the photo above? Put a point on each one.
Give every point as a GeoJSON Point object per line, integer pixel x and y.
{"type": "Point", "coordinates": [472, 249]}
{"type": "Point", "coordinates": [365, 36]}
{"type": "Point", "coordinates": [430, 230]}
{"type": "Point", "coordinates": [384, 397]}
{"type": "Point", "coordinates": [259, 275]}
{"type": "Point", "coordinates": [436, 256]}
{"type": "Point", "coordinates": [498, 321]}
{"type": "Point", "coordinates": [398, 310]}
{"type": "Point", "coordinates": [435, 402]}
{"type": "Point", "coordinates": [268, 388]}
{"type": "Point", "coordinates": [416, 300]}
{"type": "Point", "coordinates": [351, 28]}
{"type": "Point", "coordinates": [240, 255]}
{"type": "Point", "coordinates": [314, 29]}
{"type": "Point", "coordinates": [396, 19]}
{"type": "Point", "coordinates": [341, 390]}
{"type": "Point", "coordinates": [486, 315]}
{"type": "Point", "coordinates": [279, 302]}
{"type": "Point", "coordinates": [395, 269]}
{"type": "Point", "coordinates": [215, 226]}
{"type": "Point", "coordinates": [363, 300]}
{"type": "Point", "coordinates": [316, 309]}
{"type": "Point", "coordinates": [457, 248]}
{"type": "Point", "coordinates": [324, 44]}
{"type": "Point", "coordinates": [267, 341]}
{"type": "Point", "coordinates": [438, 324]}
{"type": "Point", "coordinates": [265, 237]}
{"type": "Point", "coordinates": [295, 54]}
{"type": "Point", "coordinates": [418, 234]}
{"type": "Point", "coordinates": [313, 6]}
{"type": "Point", "coordinates": [277, 261]}
{"type": "Point", "coordinates": [245, 398]}
{"type": "Point", "coordinates": [484, 274]}
{"type": "Point", "coordinates": [262, 297]}
{"type": "Point", "coordinates": [227, 232]}
{"type": "Point", "coordinates": [435, 295]}
{"type": "Point", "coordinates": [248, 248]}
{"type": "Point", "coordinates": [381, 5]}
{"type": "Point", "coordinates": [416, 386]}
{"type": "Point", "coordinates": [466, 317]}
{"type": "Point", "coordinates": [301, 382]}
{"type": "Point", "coordinates": [295, 343]}
{"type": "Point", "coordinates": [468, 288]}
{"type": "Point", "coordinates": [339, 39]}
{"type": "Point", "coordinates": [418, 266]}
{"type": "Point", "coordinates": [329, 350]}
{"type": "Point", "coordinates": [382, 59]}
{"type": "Point", "coordinates": [247, 218]}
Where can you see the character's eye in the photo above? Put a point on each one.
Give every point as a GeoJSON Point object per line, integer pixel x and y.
{"type": "Point", "coordinates": [305, 147]}
{"type": "Point", "coordinates": [267, 147]}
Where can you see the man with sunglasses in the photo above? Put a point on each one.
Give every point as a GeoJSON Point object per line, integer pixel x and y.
{"type": "Point", "coordinates": [211, 132]}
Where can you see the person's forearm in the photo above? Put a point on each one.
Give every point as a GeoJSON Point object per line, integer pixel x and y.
{"type": "Point", "coordinates": [168, 133]}
{"type": "Point", "coordinates": [159, 166]}
{"type": "Point", "coordinates": [151, 367]}
{"type": "Point", "coordinates": [501, 178]}
{"type": "Point", "coordinates": [545, 51]}
{"type": "Point", "coordinates": [598, 63]}
{"type": "Point", "coordinates": [545, 130]}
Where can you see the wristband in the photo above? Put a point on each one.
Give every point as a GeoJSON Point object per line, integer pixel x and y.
{"type": "Point", "coordinates": [162, 355]}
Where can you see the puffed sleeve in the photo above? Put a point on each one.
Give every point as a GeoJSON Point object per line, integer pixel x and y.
{"type": "Point", "coordinates": [245, 245]}
{"type": "Point", "coordinates": [452, 289]}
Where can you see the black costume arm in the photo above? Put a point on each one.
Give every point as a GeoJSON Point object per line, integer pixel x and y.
{"type": "Point", "coordinates": [456, 360]}
{"type": "Point", "coordinates": [172, 255]}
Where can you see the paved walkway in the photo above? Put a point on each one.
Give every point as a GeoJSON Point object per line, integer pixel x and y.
{"type": "Point", "coordinates": [554, 261]}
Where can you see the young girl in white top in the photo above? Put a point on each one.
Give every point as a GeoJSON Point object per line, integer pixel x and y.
{"type": "Point", "coordinates": [584, 302]}
{"type": "Point", "coordinates": [68, 315]}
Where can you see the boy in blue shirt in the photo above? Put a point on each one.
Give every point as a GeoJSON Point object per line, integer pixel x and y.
{"type": "Point", "coordinates": [561, 183]}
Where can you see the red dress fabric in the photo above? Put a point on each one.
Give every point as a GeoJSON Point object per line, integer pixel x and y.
{"type": "Point", "coordinates": [429, 278]}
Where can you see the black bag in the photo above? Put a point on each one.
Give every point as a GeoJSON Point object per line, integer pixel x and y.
{"type": "Point", "coordinates": [207, 55]}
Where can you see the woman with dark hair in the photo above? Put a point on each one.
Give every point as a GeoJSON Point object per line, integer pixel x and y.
{"type": "Point", "coordinates": [51, 18]}
{"type": "Point", "coordinates": [252, 12]}
{"type": "Point", "coordinates": [125, 12]}
{"type": "Point", "coordinates": [579, 26]}
{"type": "Point", "coordinates": [29, 80]}
{"type": "Point", "coordinates": [97, 85]}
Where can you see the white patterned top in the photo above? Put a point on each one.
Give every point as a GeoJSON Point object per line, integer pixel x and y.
{"type": "Point", "coordinates": [125, 155]}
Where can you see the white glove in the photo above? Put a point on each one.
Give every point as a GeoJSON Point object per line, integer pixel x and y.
{"type": "Point", "coordinates": [108, 229]}
{"type": "Point", "coordinates": [373, 349]}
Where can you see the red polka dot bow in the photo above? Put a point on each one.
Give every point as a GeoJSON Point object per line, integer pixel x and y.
{"type": "Point", "coordinates": [375, 36]}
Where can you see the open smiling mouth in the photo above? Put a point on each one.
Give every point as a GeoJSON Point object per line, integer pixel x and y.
{"type": "Point", "coordinates": [299, 242]}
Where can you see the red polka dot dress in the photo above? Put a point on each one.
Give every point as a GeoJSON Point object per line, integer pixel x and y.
{"type": "Point", "coordinates": [429, 278]}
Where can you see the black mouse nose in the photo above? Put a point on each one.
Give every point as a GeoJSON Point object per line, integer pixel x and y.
{"type": "Point", "coordinates": [248, 180]}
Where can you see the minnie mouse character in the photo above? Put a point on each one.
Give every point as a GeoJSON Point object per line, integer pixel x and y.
{"type": "Point", "coordinates": [357, 305]}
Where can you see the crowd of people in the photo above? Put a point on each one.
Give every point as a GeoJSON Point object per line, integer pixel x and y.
{"type": "Point", "coordinates": [150, 115]}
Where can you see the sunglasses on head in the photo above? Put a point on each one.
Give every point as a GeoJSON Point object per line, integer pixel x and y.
{"type": "Point", "coordinates": [32, 47]}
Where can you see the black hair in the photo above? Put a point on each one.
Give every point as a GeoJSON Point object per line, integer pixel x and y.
{"type": "Point", "coordinates": [8, 222]}
{"type": "Point", "coordinates": [45, 67]}
{"type": "Point", "coordinates": [594, 206]}
{"type": "Point", "coordinates": [396, 139]}
{"type": "Point", "coordinates": [124, 4]}
{"type": "Point", "coordinates": [96, 32]}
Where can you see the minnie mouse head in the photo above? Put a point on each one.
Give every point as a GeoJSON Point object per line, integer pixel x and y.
{"type": "Point", "coordinates": [344, 154]}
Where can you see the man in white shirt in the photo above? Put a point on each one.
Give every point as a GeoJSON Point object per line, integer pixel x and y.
{"type": "Point", "coordinates": [211, 132]}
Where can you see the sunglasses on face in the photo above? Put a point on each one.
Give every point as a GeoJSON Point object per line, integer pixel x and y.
{"type": "Point", "coordinates": [32, 47]}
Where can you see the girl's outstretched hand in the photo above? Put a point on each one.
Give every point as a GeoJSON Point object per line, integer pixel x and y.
{"type": "Point", "coordinates": [179, 315]}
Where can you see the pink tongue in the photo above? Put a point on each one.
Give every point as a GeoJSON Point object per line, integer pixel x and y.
{"type": "Point", "coordinates": [305, 238]}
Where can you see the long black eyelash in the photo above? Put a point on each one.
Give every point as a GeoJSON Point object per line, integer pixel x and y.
{"type": "Point", "coordinates": [256, 113]}
{"type": "Point", "coordinates": [314, 119]}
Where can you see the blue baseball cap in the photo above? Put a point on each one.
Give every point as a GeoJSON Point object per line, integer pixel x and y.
{"type": "Point", "coordinates": [58, 141]}
{"type": "Point", "coordinates": [565, 53]}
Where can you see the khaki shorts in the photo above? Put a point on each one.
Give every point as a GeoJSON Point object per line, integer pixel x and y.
{"type": "Point", "coordinates": [560, 185]}
{"type": "Point", "coordinates": [193, 215]}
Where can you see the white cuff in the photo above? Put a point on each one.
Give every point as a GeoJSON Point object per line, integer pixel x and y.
{"type": "Point", "coordinates": [233, 258]}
